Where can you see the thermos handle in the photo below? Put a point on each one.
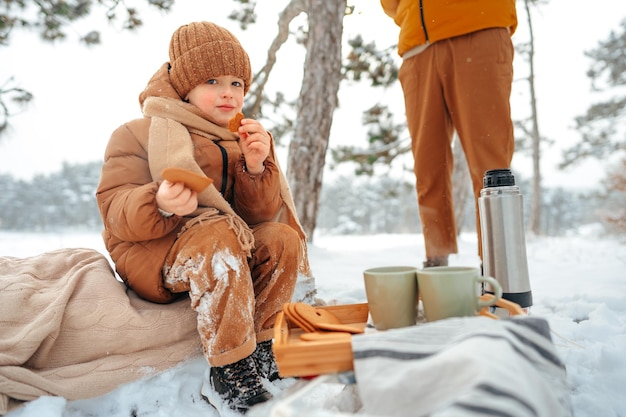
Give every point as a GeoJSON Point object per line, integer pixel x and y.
{"type": "Point", "coordinates": [497, 292]}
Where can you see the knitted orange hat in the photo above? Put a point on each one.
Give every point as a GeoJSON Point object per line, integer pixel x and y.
{"type": "Point", "coordinates": [200, 51]}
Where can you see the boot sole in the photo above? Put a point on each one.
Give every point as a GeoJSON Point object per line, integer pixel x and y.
{"type": "Point", "coordinates": [216, 401]}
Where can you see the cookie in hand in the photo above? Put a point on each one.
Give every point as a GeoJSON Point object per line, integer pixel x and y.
{"type": "Point", "coordinates": [235, 122]}
{"type": "Point", "coordinates": [191, 180]}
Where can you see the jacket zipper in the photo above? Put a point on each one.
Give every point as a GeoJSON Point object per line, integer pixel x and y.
{"type": "Point", "coordinates": [423, 20]}
{"type": "Point", "coordinates": [224, 167]}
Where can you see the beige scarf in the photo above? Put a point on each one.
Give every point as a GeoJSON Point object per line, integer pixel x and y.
{"type": "Point", "coordinates": [170, 145]}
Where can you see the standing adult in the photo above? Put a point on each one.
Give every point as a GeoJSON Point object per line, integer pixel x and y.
{"type": "Point", "coordinates": [456, 74]}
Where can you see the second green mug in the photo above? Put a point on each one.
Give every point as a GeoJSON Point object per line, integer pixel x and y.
{"type": "Point", "coordinates": [453, 291]}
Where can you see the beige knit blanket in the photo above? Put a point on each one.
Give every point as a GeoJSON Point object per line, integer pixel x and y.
{"type": "Point", "coordinates": [69, 328]}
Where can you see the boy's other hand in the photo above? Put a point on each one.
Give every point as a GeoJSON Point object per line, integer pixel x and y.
{"type": "Point", "coordinates": [176, 198]}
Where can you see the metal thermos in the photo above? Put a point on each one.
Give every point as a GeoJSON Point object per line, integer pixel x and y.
{"type": "Point", "coordinates": [500, 208]}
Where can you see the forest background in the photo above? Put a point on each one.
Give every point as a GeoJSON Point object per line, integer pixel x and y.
{"type": "Point", "coordinates": [51, 132]}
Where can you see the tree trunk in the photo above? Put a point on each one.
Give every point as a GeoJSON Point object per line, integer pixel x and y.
{"type": "Point", "coordinates": [316, 105]}
{"type": "Point", "coordinates": [460, 184]}
{"type": "Point", "coordinates": [535, 207]}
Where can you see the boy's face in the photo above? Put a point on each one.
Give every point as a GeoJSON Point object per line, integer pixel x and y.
{"type": "Point", "coordinates": [220, 98]}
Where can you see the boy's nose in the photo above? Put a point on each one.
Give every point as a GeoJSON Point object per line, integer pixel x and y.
{"type": "Point", "coordinates": [227, 92]}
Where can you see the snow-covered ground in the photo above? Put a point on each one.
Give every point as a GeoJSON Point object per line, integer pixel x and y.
{"type": "Point", "coordinates": [578, 283]}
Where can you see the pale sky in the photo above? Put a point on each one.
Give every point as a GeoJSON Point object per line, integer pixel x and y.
{"type": "Point", "coordinates": [83, 94]}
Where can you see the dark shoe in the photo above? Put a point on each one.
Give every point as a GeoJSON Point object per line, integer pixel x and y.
{"type": "Point", "coordinates": [237, 385]}
{"type": "Point", "coordinates": [265, 361]}
{"type": "Point", "coordinates": [436, 261]}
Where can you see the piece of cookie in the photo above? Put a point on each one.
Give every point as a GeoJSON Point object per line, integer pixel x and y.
{"type": "Point", "coordinates": [235, 122]}
{"type": "Point", "coordinates": [191, 180]}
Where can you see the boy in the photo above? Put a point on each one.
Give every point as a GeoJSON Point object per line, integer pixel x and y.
{"type": "Point", "coordinates": [235, 247]}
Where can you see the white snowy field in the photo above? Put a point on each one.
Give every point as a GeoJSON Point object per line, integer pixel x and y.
{"type": "Point", "coordinates": [578, 284]}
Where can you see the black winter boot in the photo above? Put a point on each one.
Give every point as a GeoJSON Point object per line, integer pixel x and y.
{"type": "Point", "coordinates": [237, 385]}
{"type": "Point", "coordinates": [265, 361]}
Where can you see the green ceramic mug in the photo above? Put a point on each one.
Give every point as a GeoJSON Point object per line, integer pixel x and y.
{"type": "Point", "coordinates": [453, 291]}
{"type": "Point", "coordinates": [391, 296]}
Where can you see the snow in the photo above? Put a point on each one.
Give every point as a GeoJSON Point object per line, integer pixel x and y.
{"type": "Point", "coordinates": [578, 284]}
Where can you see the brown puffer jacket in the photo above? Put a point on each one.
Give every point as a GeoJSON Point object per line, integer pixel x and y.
{"type": "Point", "coordinates": [423, 21]}
{"type": "Point", "coordinates": [135, 233]}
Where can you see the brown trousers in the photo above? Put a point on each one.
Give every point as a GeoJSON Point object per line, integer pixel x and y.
{"type": "Point", "coordinates": [236, 298]}
{"type": "Point", "coordinates": [462, 83]}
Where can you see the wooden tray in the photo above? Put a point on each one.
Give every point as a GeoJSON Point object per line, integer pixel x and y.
{"type": "Point", "coordinates": [295, 357]}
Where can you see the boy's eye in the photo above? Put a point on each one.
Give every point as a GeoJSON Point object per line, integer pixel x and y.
{"type": "Point", "coordinates": [237, 84]}
{"type": "Point", "coordinates": [212, 81]}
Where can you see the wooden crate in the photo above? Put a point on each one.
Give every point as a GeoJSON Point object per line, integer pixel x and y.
{"type": "Point", "coordinates": [295, 357]}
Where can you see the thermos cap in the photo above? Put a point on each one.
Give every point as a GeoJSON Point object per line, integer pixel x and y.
{"type": "Point", "coordinates": [498, 178]}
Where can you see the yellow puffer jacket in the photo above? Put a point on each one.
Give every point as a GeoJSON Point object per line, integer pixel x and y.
{"type": "Point", "coordinates": [428, 21]}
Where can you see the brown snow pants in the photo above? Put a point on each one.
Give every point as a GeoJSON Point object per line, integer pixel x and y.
{"type": "Point", "coordinates": [236, 298]}
{"type": "Point", "coordinates": [461, 83]}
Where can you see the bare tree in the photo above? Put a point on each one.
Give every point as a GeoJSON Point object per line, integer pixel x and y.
{"type": "Point", "coordinates": [532, 132]}
{"type": "Point", "coordinates": [535, 207]}
{"type": "Point", "coordinates": [256, 99]}
{"type": "Point", "coordinates": [461, 182]}
{"type": "Point", "coordinates": [316, 105]}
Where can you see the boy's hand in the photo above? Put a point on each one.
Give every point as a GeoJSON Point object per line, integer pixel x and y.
{"type": "Point", "coordinates": [176, 198]}
{"type": "Point", "coordinates": [255, 145]}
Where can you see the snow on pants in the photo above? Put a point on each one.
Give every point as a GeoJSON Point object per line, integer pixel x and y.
{"type": "Point", "coordinates": [236, 298]}
{"type": "Point", "coordinates": [461, 83]}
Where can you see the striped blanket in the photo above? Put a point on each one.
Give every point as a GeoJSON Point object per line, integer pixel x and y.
{"type": "Point", "coordinates": [466, 367]}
